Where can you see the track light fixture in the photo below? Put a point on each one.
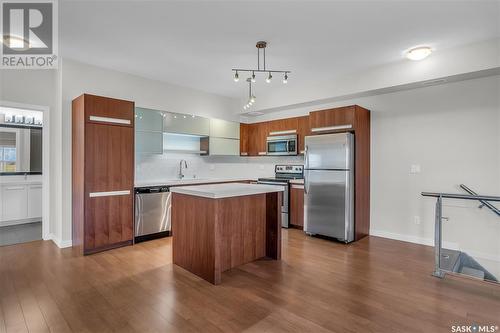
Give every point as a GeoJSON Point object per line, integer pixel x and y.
{"type": "Point", "coordinates": [251, 96]}
{"type": "Point", "coordinates": [261, 47]}
{"type": "Point", "coordinates": [269, 78]}
{"type": "Point", "coordinates": [285, 78]}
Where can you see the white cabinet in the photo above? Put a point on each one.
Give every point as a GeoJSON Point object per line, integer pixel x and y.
{"type": "Point", "coordinates": [223, 146]}
{"type": "Point", "coordinates": [20, 202]}
{"type": "Point", "coordinates": [224, 129]}
{"type": "Point", "coordinates": [14, 202]}
{"type": "Point", "coordinates": [148, 120]}
{"type": "Point", "coordinates": [148, 142]}
{"type": "Point", "coordinates": [186, 124]}
{"type": "Point", "coordinates": [148, 131]}
{"type": "Point", "coordinates": [34, 201]}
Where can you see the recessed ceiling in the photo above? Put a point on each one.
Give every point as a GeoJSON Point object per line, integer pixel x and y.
{"type": "Point", "coordinates": [195, 44]}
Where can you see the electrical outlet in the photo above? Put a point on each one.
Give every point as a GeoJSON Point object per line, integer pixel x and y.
{"type": "Point", "coordinates": [416, 220]}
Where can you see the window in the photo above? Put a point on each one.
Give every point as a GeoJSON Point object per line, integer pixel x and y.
{"type": "Point", "coordinates": [7, 159]}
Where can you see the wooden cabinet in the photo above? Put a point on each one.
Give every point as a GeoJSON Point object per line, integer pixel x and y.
{"type": "Point", "coordinates": [297, 205]}
{"type": "Point", "coordinates": [244, 137]}
{"type": "Point", "coordinates": [103, 173]}
{"type": "Point", "coordinates": [303, 130]}
{"type": "Point", "coordinates": [282, 126]}
{"type": "Point", "coordinates": [257, 136]}
{"type": "Point", "coordinates": [332, 120]}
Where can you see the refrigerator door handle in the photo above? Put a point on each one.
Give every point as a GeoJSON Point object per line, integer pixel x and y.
{"type": "Point", "coordinates": [305, 184]}
{"type": "Point", "coordinates": [306, 158]}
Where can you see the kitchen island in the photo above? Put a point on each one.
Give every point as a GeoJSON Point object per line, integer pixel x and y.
{"type": "Point", "coordinates": [221, 226]}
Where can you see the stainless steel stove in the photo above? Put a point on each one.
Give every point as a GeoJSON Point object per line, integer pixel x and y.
{"type": "Point", "coordinates": [282, 176]}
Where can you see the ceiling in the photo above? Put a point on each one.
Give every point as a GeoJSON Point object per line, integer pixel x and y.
{"type": "Point", "coordinates": [195, 44]}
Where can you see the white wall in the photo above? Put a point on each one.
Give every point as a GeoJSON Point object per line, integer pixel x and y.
{"type": "Point", "coordinates": [79, 78]}
{"type": "Point", "coordinates": [453, 132]}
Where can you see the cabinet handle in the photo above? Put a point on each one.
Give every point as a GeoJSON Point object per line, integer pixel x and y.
{"type": "Point", "coordinates": [108, 194]}
{"type": "Point", "coordinates": [13, 188]}
{"type": "Point", "coordinates": [110, 120]}
{"type": "Point", "coordinates": [331, 128]}
{"type": "Point", "coordinates": [261, 153]}
{"type": "Point", "coordinates": [36, 186]}
{"type": "Point", "coordinates": [244, 154]}
{"type": "Point", "coordinates": [298, 187]}
{"type": "Point", "coordinates": [283, 132]}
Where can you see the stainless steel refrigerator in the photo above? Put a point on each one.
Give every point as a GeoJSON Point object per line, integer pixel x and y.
{"type": "Point", "coordinates": [329, 186]}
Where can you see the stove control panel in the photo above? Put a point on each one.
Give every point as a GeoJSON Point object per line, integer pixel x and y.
{"type": "Point", "coordinates": [299, 169]}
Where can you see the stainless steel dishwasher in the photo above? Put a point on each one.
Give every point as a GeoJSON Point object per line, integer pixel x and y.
{"type": "Point", "coordinates": [152, 212]}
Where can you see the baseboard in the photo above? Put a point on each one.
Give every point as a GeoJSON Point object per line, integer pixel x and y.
{"type": "Point", "coordinates": [60, 244]}
{"type": "Point", "coordinates": [412, 239]}
{"type": "Point", "coordinates": [430, 242]}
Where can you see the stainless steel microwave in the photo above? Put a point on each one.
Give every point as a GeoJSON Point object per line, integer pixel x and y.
{"type": "Point", "coordinates": [282, 145]}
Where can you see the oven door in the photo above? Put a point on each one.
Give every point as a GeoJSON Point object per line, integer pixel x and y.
{"type": "Point", "coordinates": [284, 207]}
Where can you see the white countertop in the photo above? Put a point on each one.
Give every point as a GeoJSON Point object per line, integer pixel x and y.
{"type": "Point", "coordinates": [180, 182]}
{"type": "Point", "coordinates": [218, 191]}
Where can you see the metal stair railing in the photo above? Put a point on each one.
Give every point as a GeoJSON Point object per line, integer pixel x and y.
{"type": "Point", "coordinates": [438, 227]}
{"type": "Point", "coordinates": [483, 202]}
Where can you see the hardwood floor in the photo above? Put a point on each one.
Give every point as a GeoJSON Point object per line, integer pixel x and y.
{"type": "Point", "coordinates": [374, 285]}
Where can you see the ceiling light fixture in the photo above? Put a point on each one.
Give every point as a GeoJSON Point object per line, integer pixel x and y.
{"type": "Point", "coordinates": [261, 46]}
{"type": "Point", "coordinates": [285, 78]}
{"type": "Point", "coordinates": [236, 77]}
{"type": "Point", "coordinates": [418, 53]}
{"type": "Point", "coordinates": [269, 78]}
{"type": "Point", "coordinates": [251, 96]}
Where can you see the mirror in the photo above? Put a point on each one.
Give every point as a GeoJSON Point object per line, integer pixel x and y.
{"type": "Point", "coordinates": [20, 149]}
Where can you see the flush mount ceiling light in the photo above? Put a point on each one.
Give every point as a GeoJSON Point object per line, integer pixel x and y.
{"type": "Point", "coordinates": [261, 47]}
{"type": "Point", "coordinates": [418, 53]}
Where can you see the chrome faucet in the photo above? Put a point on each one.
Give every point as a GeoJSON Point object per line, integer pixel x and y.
{"type": "Point", "coordinates": [181, 175]}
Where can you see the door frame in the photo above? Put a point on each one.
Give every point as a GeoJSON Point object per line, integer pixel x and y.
{"type": "Point", "coordinates": [45, 161]}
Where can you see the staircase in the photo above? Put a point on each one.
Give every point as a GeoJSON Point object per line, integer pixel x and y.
{"type": "Point", "coordinates": [454, 261]}
{"type": "Point", "coordinates": [460, 262]}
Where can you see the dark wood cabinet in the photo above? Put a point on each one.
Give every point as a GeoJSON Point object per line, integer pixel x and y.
{"type": "Point", "coordinates": [257, 135]}
{"type": "Point", "coordinates": [282, 126]}
{"type": "Point", "coordinates": [103, 173]}
{"type": "Point", "coordinates": [331, 120]}
{"type": "Point", "coordinates": [244, 137]}
{"type": "Point", "coordinates": [297, 205]}
{"type": "Point", "coordinates": [303, 130]}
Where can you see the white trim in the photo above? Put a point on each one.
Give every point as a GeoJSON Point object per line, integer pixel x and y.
{"type": "Point", "coordinates": [331, 128]}
{"type": "Point", "coordinates": [108, 194]}
{"type": "Point", "coordinates": [110, 120]}
{"type": "Point", "coordinates": [59, 243]}
{"type": "Point", "coordinates": [283, 132]}
{"type": "Point", "coordinates": [46, 198]}
{"type": "Point", "coordinates": [411, 239]}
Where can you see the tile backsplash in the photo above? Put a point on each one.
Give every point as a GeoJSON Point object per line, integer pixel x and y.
{"type": "Point", "coordinates": [157, 168]}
